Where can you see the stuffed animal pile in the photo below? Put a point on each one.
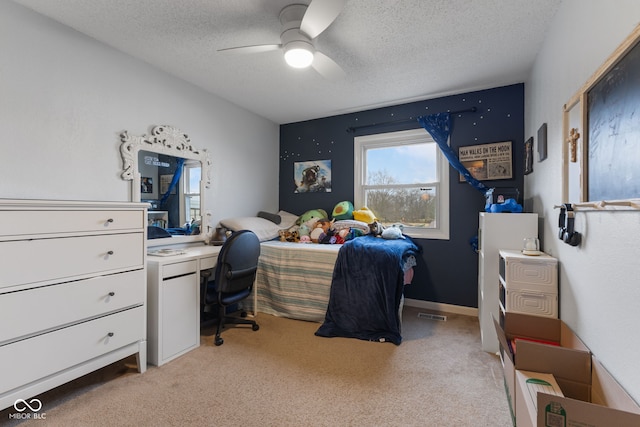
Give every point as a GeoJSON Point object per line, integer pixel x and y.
{"type": "Point", "coordinates": [346, 223]}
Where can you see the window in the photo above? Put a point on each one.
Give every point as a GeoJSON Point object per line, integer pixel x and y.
{"type": "Point", "coordinates": [403, 178]}
{"type": "Point", "coordinates": [192, 172]}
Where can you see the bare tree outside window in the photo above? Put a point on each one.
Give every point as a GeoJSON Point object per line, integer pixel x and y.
{"type": "Point", "coordinates": [393, 203]}
{"type": "Point", "coordinates": [402, 177]}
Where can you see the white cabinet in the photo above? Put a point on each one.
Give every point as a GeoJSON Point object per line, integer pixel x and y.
{"type": "Point", "coordinates": [497, 231]}
{"type": "Point", "coordinates": [173, 294]}
{"type": "Point", "coordinates": [528, 284]}
{"type": "Point", "coordinates": [72, 291]}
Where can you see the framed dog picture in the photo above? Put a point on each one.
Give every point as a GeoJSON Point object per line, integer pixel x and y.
{"type": "Point", "coordinates": [312, 177]}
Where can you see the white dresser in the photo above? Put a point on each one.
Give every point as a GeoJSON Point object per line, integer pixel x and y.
{"type": "Point", "coordinates": [72, 291]}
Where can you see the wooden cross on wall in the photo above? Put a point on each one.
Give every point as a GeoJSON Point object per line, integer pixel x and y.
{"type": "Point", "coordinates": [574, 135]}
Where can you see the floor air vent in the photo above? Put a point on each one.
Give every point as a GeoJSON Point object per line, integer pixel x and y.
{"type": "Point", "coordinates": [431, 316]}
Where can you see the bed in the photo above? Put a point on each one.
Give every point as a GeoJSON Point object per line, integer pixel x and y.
{"type": "Point", "coordinates": [354, 289]}
{"type": "Point", "coordinates": [293, 279]}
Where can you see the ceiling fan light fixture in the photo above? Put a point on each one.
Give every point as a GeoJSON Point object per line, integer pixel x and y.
{"type": "Point", "coordinates": [298, 54]}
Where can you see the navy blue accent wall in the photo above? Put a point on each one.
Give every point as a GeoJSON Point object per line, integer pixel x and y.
{"type": "Point", "coordinates": [448, 270]}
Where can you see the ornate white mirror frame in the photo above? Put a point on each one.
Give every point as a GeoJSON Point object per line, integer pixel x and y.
{"type": "Point", "coordinates": [173, 142]}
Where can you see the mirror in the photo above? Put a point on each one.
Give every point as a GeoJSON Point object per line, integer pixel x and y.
{"type": "Point", "coordinates": [169, 174]}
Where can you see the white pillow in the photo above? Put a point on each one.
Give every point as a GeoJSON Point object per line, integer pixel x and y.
{"type": "Point", "coordinates": [264, 229]}
{"type": "Point", "coordinates": [288, 220]}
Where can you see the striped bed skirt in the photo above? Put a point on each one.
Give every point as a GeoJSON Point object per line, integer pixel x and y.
{"type": "Point", "coordinates": [294, 280]}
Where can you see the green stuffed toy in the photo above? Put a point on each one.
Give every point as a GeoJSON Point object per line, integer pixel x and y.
{"type": "Point", "coordinates": [314, 214]}
{"type": "Point", "coordinates": [343, 210]}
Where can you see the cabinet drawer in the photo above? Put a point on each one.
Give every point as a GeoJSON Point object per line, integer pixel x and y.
{"type": "Point", "coordinates": [519, 274]}
{"type": "Point", "coordinates": [179, 269]}
{"type": "Point", "coordinates": [532, 302]}
{"type": "Point", "coordinates": [49, 307]}
{"type": "Point", "coordinates": [31, 261]}
{"type": "Point", "coordinates": [17, 223]}
{"type": "Point", "coordinates": [35, 358]}
{"type": "Point", "coordinates": [209, 262]}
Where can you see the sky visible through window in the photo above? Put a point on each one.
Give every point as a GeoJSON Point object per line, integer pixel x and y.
{"type": "Point", "coordinates": [194, 180]}
{"type": "Point", "coordinates": [408, 164]}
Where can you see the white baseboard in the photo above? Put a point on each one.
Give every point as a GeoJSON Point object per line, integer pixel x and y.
{"type": "Point", "coordinates": [440, 307]}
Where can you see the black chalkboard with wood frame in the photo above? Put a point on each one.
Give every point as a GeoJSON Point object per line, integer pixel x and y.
{"type": "Point", "coordinates": [613, 124]}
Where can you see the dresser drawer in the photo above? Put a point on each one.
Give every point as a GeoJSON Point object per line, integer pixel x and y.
{"type": "Point", "coordinates": [49, 307]}
{"type": "Point", "coordinates": [20, 223]}
{"type": "Point", "coordinates": [35, 358]}
{"type": "Point", "coordinates": [37, 260]}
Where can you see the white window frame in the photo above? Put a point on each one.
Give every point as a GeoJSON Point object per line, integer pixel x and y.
{"type": "Point", "coordinates": [415, 136]}
{"type": "Point", "coordinates": [186, 176]}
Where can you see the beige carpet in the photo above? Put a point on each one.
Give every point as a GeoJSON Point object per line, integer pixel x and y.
{"type": "Point", "coordinates": [283, 375]}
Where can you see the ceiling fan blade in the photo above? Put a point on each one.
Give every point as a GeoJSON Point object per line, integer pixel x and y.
{"type": "Point", "coordinates": [327, 67]}
{"type": "Point", "coordinates": [251, 49]}
{"type": "Point", "coordinates": [319, 15]}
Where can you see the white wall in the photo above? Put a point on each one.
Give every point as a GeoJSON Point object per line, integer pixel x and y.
{"type": "Point", "coordinates": [65, 98]}
{"type": "Point", "coordinates": [599, 281]}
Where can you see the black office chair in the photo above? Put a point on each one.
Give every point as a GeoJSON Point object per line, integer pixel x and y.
{"type": "Point", "coordinates": [233, 279]}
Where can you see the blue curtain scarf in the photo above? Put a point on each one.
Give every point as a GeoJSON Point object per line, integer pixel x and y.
{"type": "Point", "coordinates": [439, 127]}
{"type": "Point", "coordinates": [174, 181]}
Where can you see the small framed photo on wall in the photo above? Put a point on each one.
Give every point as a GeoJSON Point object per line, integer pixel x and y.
{"type": "Point", "coordinates": [165, 184]}
{"type": "Point", "coordinates": [146, 184]}
{"type": "Point", "coordinates": [528, 156]}
{"type": "Point", "coordinates": [542, 142]}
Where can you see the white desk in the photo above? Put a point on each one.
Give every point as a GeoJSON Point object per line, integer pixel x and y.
{"type": "Point", "coordinates": [173, 298]}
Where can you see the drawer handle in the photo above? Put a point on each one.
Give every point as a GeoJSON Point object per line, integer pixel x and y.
{"type": "Point", "coordinates": [110, 334]}
{"type": "Point", "coordinates": [111, 293]}
{"type": "Point", "coordinates": [110, 253]}
{"type": "Point", "coordinates": [530, 295]}
{"type": "Point", "coordinates": [110, 220]}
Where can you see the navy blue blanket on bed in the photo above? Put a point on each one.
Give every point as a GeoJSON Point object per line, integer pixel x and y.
{"type": "Point", "coordinates": [366, 290]}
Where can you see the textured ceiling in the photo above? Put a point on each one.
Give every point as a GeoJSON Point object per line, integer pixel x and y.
{"type": "Point", "coordinates": [393, 51]}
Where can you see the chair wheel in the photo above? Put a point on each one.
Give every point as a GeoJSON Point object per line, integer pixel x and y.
{"type": "Point", "coordinates": [255, 327]}
{"type": "Point", "coordinates": [218, 341]}
{"type": "Point", "coordinates": [243, 314]}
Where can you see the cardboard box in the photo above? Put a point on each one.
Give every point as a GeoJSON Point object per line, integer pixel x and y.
{"type": "Point", "coordinates": [609, 405]}
{"type": "Point", "coordinates": [529, 385]}
{"type": "Point", "coordinates": [569, 361]}
{"type": "Point", "coordinates": [509, 384]}
{"type": "Point", "coordinates": [592, 397]}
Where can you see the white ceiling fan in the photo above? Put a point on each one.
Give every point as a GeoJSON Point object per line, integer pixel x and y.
{"type": "Point", "coordinates": [301, 24]}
